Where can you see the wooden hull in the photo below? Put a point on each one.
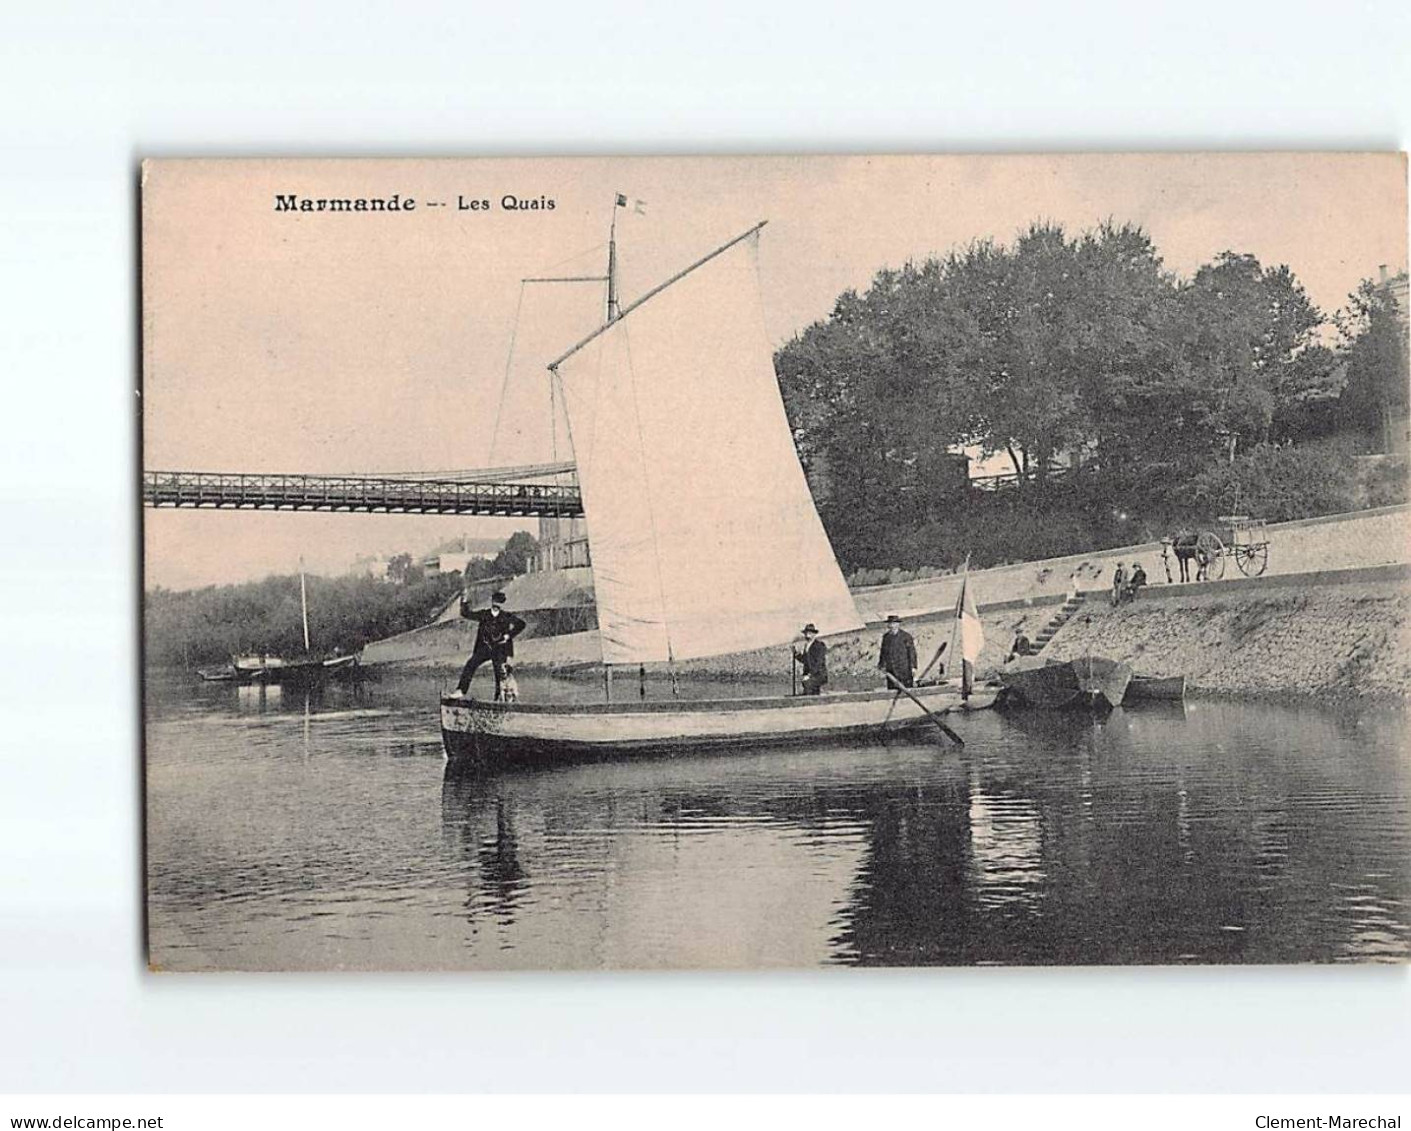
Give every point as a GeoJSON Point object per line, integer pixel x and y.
{"type": "Point", "coordinates": [1145, 688]}
{"type": "Point", "coordinates": [1086, 681]}
{"type": "Point", "coordinates": [281, 673]}
{"type": "Point", "coordinates": [297, 672]}
{"type": "Point", "coordinates": [492, 735]}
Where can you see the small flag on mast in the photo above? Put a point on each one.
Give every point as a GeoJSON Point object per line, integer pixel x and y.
{"type": "Point", "coordinates": [637, 206]}
{"type": "Point", "coordinates": [970, 630]}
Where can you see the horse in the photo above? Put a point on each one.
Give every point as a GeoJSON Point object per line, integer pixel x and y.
{"type": "Point", "coordinates": [1184, 544]}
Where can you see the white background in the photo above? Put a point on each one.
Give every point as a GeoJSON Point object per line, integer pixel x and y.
{"type": "Point", "coordinates": [90, 89]}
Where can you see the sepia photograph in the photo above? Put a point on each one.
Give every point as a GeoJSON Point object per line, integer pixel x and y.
{"type": "Point", "coordinates": [775, 562]}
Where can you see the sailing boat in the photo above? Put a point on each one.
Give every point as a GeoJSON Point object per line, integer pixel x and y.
{"type": "Point", "coordinates": [308, 668]}
{"type": "Point", "coordinates": [704, 536]}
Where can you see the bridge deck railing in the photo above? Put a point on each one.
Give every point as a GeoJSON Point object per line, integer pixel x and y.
{"type": "Point", "coordinates": [366, 494]}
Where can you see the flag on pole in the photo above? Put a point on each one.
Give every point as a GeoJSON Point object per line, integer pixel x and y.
{"type": "Point", "coordinates": [969, 631]}
{"type": "Point", "coordinates": [637, 206]}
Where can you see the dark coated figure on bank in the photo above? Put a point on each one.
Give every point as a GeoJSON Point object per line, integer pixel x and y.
{"type": "Point", "coordinates": [813, 655]}
{"type": "Point", "coordinates": [494, 641]}
{"type": "Point", "coordinates": [898, 657]}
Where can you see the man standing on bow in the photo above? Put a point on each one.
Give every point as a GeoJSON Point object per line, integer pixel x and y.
{"type": "Point", "coordinates": [898, 658]}
{"type": "Point", "coordinates": [494, 641]}
{"type": "Point", "coordinates": [814, 658]}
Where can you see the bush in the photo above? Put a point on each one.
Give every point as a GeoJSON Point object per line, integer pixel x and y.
{"type": "Point", "coordinates": [1278, 483]}
{"type": "Point", "coordinates": [1382, 480]}
{"type": "Point", "coordinates": [207, 626]}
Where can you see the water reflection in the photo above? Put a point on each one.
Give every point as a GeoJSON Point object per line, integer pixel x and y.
{"type": "Point", "coordinates": [321, 829]}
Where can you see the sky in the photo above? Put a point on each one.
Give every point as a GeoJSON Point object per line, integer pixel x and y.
{"type": "Point", "coordinates": [357, 343]}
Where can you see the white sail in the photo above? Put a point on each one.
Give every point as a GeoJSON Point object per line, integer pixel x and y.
{"type": "Point", "coordinates": [704, 536]}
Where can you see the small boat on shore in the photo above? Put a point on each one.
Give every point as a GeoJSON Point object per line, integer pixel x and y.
{"type": "Point", "coordinates": [1151, 688]}
{"type": "Point", "coordinates": [225, 673]}
{"type": "Point", "coordinates": [705, 539]}
{"type": "Point", "coordinates": [1085, 681]}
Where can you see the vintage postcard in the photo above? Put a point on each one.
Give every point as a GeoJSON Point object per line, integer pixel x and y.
{"type": "Point", "coordinates": [748, 562]}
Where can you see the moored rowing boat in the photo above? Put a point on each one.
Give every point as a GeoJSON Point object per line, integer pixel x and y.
{"type": "Point", "coordinates": [1170, 688]}
{"type": "Point", "coordinates": [1084, 681]}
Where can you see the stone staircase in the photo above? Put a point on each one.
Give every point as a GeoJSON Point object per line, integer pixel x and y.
{"type": "Point", "coordinates": [1059, 619]}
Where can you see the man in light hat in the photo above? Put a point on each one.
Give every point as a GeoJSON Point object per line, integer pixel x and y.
{"type": "Point", "coordinates": [814, 658]}
{"type": "Point", "coordinates": [494, 641]}
{"type": "Point", "coordinates": [898, 658]}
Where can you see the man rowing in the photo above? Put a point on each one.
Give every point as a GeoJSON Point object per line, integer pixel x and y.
{"type": "Point", "coordinates": [898, 658]}
{"type": "Point", "coordinates": [814, 658]}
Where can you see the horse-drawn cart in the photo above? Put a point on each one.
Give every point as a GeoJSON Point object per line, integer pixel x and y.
{"type": "Point", "coordinates": [1246, 541]}
{"type": "Point", "coordinates": [1248, 544]}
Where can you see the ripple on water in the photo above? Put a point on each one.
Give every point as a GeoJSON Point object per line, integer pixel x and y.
{"type": "Point", "coordinates": [309, 835]}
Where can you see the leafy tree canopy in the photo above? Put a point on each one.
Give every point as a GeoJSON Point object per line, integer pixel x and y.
{"type": "Point", "coordinates": [1066, 350]}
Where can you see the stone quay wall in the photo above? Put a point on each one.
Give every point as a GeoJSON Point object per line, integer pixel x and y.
{"type": "Point", "coordinates": [1334, 542]}
{"type": "Point", "coordinates": [1330, 616]}
{"type": "Point", "coordinates": [1343, 635]}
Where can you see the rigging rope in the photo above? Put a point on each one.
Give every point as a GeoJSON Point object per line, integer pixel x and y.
{"type": "Point", "coordinates": [505, 384]}
{"type": "Point", "coordinates": [577, 255]}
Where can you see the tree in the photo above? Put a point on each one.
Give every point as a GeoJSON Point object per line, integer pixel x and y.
{"type": "Point", "coordinates": [519, 551]}
{"type": "Point", "coordinates": [1083, 348]}
{"type": "Point", "coordinates": [1249, 340]}
{"type": "Point", "coordinates": [206, 626]}
{"type": "Point", "coordinates": [1372, 335]}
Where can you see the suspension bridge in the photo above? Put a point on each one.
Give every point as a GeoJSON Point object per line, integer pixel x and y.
{"type": "Point", "coordinates": [548, 490]}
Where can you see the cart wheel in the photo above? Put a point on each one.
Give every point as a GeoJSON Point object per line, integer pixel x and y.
{"type": "Point", "coordinates": [1253, 560]}
{"type": "Point", "coordinates": [1210, 551]}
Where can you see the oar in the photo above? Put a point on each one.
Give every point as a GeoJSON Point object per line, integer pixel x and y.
{"type": "Point", "coordinates": [927, 669]}
{"type": "Point", "coordinates": [925, 710]}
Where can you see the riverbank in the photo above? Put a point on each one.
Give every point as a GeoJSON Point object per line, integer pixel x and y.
{"type": "Point", "coordinates": [1332, 634]}
{"type": "Point", "coordinates": [1329, 618]}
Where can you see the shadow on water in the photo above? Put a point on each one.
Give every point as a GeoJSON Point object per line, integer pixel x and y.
{"type": "Point", "coordinates": [1206, 833]}
{"type": "Point", "coordinates": [320, 829]}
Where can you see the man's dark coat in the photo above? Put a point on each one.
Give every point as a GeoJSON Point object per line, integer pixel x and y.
{"type": "Point", "coordinates": [899, 656]}
{"type": "Point", "coordinates": [815, 662]}
{"type": "Point", "coordinates": [495, 636]}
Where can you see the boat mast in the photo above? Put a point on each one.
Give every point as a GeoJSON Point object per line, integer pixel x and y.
{"type": "Point", "coordinates": [967, 673]}
{"type": "Point", "coordinates": [613, 309]}
{"type": "Point", "coordinates": [613, 313]}
{"type": "Point", "coordinates": [957, 641]}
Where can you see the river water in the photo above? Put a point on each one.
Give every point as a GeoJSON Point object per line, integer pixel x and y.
{"type": "Point", "coordinates": [294, 831]}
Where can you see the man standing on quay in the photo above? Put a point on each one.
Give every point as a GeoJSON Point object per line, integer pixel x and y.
{"type": "Point", "coordinates": [898, 658]}
{"type": "Point", "coordinates": [494, 640]}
